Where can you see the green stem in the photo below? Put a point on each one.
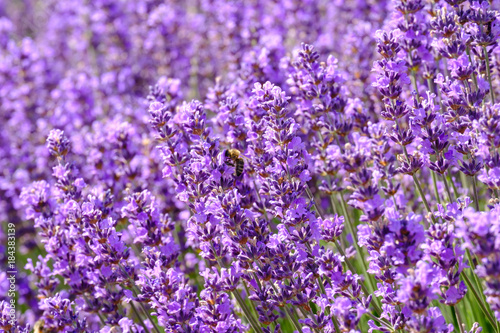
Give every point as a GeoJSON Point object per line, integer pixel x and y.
{"type": "Point", "coordinates": [488, 72]}
{"type": "Point", "coordinates": [381, 321]}
{"type": "Point", "coordinates": [422, 195]}
{"type": "Point", "coordinates": [445, 309]}
{"type": "Point", "coordinates": [436, 192]}
{"type": "Point", "coordinates": [247, 313]}
{"type": "Point", "coordinates": [138, 316]}
{"type": "Point", "coordinates": [328, 176]}
{"type": "Point", "coordinates": [414, 81]}
{"type": "Point", "coordinates": [332, 201]}
{"type": "Point", "coordinates": [257, 280]}
{"type": "Point", "coordinates": [469, 257]}
{"type": "Point", "coordinates": [252, 309]}
{"type": "Point", "coordinates": [293, 319]}
{"type": "Point", "coordinates": [450, 198]}
{"type": "Point", "coordinates": [336, 323]}
{"type": "Point", "coordinates": [350, 224]}
{"type": "Point", "coordinates": [474, 78]}
{"type": "Point", "coordinates": [359, 251]}
{"type": "Point", "coordinates": [446, 71]}
{"type": "Point", "coordinates": [430, 84]}
{"type": "Point", "coordinates": [334, 207]}
{"type": "Point", "coordinates": [419, 188]}
{"type": "Point", "coordinates": [243, 305]}
{"type": "Point", "coordinates": [321, 286]}
{"type": "Point", "coordinates": [479, 299]}
{"type": "Point", "coordinates": [476, 197]}
{"type": "Point", "coordinates": [459, 318]}
{"type": "Point", "coordinates": [455, 191]}
{"type": "Point", "coordinates": [455, 322]}
{"type": "Point", "coordinates": [440, 97]}
{"type": "Point", "coordinates": [309, 194]}
{"type": "Point", "coordinates": [474, 275]}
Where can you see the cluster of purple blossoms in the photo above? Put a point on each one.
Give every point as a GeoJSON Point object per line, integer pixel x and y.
{"type": "Point", "coordinates": [236, 166]}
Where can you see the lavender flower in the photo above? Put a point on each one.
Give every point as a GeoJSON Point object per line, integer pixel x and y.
{"type": "Point", "coordinates": [296, 166]}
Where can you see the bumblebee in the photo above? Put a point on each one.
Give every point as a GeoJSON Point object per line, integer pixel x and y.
{"type": "Point", "coordinates": [234, 159]}
{"type": "Point", "coordinates": [39, 326]}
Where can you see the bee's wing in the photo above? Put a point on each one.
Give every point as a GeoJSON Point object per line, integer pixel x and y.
{"type": "Point", "coordinates": [248, 158]}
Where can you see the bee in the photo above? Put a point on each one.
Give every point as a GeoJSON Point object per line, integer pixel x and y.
{"type": "Point", "coordinates": [234, 159]}
{"type": "Point", "coordinates": [39, 326]}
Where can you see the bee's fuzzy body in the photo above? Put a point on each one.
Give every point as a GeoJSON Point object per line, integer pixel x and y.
{"type": "Point", "coordinates": [233, 158]}
{"type": "Point", "coordinates": [39, 326]}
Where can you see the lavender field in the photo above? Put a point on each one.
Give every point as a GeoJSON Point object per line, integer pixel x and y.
{"type": "Point", "coordinates": [249, 166]}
